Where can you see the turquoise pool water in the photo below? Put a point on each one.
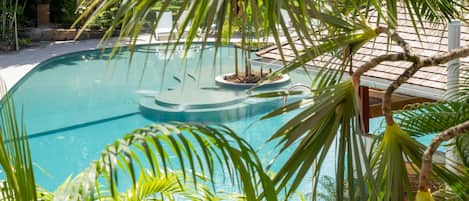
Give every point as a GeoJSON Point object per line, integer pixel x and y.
{"type": "Point", "coordinates": [76, 104]}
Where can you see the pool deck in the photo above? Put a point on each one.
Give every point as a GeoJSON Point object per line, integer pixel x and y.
{"type": "Point", "coordinates": [15, 65]}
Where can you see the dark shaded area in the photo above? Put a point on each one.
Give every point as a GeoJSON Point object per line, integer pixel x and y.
{"type": "Point", "coordinates": [62, 12]}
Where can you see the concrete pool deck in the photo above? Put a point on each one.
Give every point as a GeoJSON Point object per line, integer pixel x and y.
{"type": "Point", "coordinates": [15, 65]}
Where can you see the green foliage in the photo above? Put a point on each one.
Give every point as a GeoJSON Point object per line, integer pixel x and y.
{"type": "Point", "coordinates": [8, 10]}
{"type": "Point", "coordinates": [24, 41]}
{"type": "Point", "coordinates": [103, 20]}
{"type": "Point", "coordinates": [329, 192]}
{"type": "Point", "coordinates": [15, 155]}
{"type": "Point", "coordinates": [173, 6]}
{"type": "Point", "coordinates": [329, 121]}
{"type": "Point", "coordinates": [63, 11]}
{"type": "Point", "coordinates": [200, 149]}
{"type": "Point", "coordinates": [430, 118]}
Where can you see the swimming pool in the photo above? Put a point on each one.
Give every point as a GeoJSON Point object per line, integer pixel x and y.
{"type": "Point", "coordinates": [77, 103]}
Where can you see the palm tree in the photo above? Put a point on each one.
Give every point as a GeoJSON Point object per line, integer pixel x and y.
{"type": "Point", "coordinates": [329, 118]}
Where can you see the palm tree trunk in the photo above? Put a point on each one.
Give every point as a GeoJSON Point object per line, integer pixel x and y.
{"type": "Point", "coordinates": [236, 62]}
{"type": "Point", "coordinates": [246, 70]}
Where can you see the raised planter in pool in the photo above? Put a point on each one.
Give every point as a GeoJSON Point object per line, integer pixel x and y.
{"type": "Point", "coordinates": [277, 83]}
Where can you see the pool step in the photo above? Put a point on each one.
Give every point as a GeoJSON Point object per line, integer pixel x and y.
{"type": "Point", "coordinates": [221, 112]}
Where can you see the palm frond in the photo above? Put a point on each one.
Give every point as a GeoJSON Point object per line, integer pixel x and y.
{"type": "Point", "coordinates": [150, 187]}
{"type": "Point", "coordinates": [430, 118]}
{"type": "Point", "coordinates": [328, 119]}
{"type": "Point", "coordinates": [213, 151]}
{"type": "Point", "coordinates": [460, 92]}
{"type": "Point", "coordinates": [15, 155]}
{"type": "Point", "coordinates": [462, 147]}
{"type": "Point", "coordinates": [396, 149]}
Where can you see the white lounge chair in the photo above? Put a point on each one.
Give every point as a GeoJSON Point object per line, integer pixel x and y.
{"type": "Point", "coordinates": [181, 20]}
{"type": "Point", "coordinates": [286, 19]}
{"type": "Point", "coordinates": [165, 25]}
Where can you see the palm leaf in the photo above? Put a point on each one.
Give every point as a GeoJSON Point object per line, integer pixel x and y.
{"type": "Point", "coordinates": [327, 119]}
{"type": "Point", "coordinates": [430, 118]}
{"type": "Point", "coordinates": [395, 149]}
{"type": "Point", "coordinates": [15, 154]}
{"type": "Point", "coordinates": [462, 144]}
{"type": "Point", "coordinates": [149, 186]}
{"type": "Point", "coordinates": [199, 148]}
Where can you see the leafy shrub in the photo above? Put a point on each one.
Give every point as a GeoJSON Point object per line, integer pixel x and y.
{"type": "Point", "coordinates": [63, 12]}
{"type": "Point", "coordinates": [103, 20]}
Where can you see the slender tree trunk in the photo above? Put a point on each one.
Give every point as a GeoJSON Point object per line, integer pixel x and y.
{"type": "Point", "coordinates": [246, 63]}
{"type": "Point", "coordinates": [4, 16]}
{"type": "Point", "coordinates": [246, 68]}
{"type": "Point", "coordinates": [16, 26]}
{"type": "Point", "coordinates": [236, 62]}
{"type": "Point", "coordinates": [248, 57]}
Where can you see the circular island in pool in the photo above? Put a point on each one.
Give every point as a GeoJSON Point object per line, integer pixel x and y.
{"type": "Point", "coordinates": [220, 79]}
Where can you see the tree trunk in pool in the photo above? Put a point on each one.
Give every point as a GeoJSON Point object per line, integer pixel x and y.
{"type": "Point", "coordinates": [236, 62]}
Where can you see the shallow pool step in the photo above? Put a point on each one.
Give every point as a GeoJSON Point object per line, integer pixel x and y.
{"type": "Point", "coordinates": [222, 112]}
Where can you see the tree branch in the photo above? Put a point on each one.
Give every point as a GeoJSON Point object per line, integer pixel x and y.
{"type": "Point", "coordinates": [408, 55]}
{"type": "Point", "coordinates": [396, 38]}
{"type": "Point", "coordinates": [418, 63]}
{"type": "Point", "coordinates": [373, 63]}
{"type": "Point", "coordinates": [446, 57]}
{"type": "Point", "coordinates": [427, 156]}
{"type": "Point", "coordinates": [366, 67]}
{"type": "Point", "coordinates": [387, 97]}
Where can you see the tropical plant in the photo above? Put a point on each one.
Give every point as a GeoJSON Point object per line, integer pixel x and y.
{"type": "Point", "coordinates": [63, 12]}
{"type": "Point", "coordinates": [102, 20]}
{"type": "Point", "coordinates": [15, 155]}
{"type": "Point", "coordinates": [10, 11]}
{"type": "Point", "coordinates": [202, 152]}
{"type": "Point", "coordinates": [329, 116]}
